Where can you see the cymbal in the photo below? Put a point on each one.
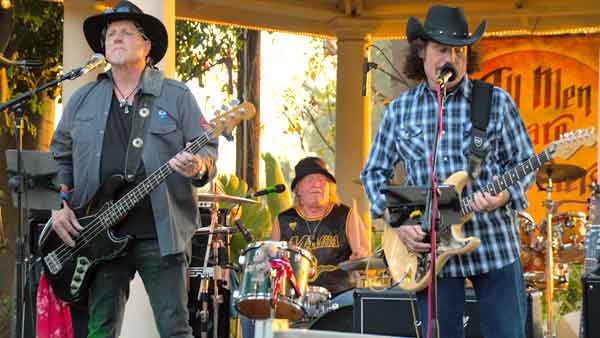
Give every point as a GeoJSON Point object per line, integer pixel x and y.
{"type": "Point", "coordinates": [210, 197]}
{"type": "Point", "coordinates": [216, 230]}
{"type": "Point", "coordinates": [559, 173]}
{"type": "Point", "coordinates": [363, 263]}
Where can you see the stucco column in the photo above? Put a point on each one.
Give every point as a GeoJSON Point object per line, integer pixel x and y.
{"type": "Point", "coordinates": [76, 51]}
{"type": "Point", "coordinates": [165, 11]}
{"type": "Point", "coordinates": [353, 117]}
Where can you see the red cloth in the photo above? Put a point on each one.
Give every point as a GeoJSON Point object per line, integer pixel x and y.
{"type": "Point", "coordinates": [53, 318]}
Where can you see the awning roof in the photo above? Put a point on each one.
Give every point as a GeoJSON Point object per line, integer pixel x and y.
{"type": "Point", "coordinates": [385, 19]}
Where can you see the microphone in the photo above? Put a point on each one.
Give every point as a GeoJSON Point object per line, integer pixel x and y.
{"type": "Point", "coordinates": [20, 63]}
{"type": "Point", "coordinates": [247, 235]}
{"type": "Point", "coordinates": [277, 188]}
{"type": "Point", "coordinates": [95, 61]}
{"type": "Point", "coordinates": [447, 74]}
{"type": "Point", "coordinates": [364, 78]}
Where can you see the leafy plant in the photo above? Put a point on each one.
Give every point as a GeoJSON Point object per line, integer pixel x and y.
{"type": "Point", "coordinates": [569, 299]}
{"type": "Point", "coordinates": [310, 110]}
{"type": "Point", "coordinates": [256, 217]}
{"type": "Point", "coordinates": [201, 46]}
{"type": "Point", "coordinates": [5, 313]}
{"type": "Point", "coordinates": [37, 34]}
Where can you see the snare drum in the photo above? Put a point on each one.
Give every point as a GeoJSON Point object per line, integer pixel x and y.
{"type": "Point", "coordinates": [316, 301]}
{"type": "Point", "coordinates": [255, 294]}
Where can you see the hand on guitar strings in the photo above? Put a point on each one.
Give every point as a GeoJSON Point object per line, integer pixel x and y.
{"type": "Point", "coordinates": [65, 224]}
{"type": "Point", "coordinates": [486, 202]}
{"type": "Point", "coordinates": [412, 236]}
{"type": "Point", "coordinates": [188, 164]}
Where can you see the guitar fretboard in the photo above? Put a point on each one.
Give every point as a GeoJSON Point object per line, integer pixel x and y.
{"type": "Point", "coordinates": [509, 178]}
{"type": "Point", "coordinates": [119, 209]}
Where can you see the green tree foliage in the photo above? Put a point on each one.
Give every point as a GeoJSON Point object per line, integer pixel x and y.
{"type": "Point", "coordinates": [37, 35]}
{"type": "Point", "coordinates": [202, 46]}
{"type": "Point", "coordinates": [310, 109]}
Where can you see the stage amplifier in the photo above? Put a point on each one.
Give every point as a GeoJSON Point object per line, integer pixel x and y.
{"type": "Point", "coordinates": [389, 313]}
{"type": "Point", "coordinates": [591, 308]}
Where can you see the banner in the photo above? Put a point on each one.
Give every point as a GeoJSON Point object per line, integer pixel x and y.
{"type": "Point", "coordinates": [554, 83]}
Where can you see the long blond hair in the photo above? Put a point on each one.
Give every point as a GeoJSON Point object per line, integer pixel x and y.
{"type": "Point", "coordinates": [333, 197]}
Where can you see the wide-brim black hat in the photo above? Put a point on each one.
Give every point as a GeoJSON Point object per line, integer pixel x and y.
{"type": "Point", "coordinates": [125, 10]}
{"type": "Point", "coordinates": [445, 25]}
{"type": "Point", "coordinates": [308, 166]}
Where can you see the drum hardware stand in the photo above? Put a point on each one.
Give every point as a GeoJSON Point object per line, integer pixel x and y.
{"type": "Point", "coordinates": [549, 273]}
{"type": "Point", "coordinates": [220, 250]}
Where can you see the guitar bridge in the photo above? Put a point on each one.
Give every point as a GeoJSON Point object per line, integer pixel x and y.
{"type": "Point", "coordinates": [53, 263]}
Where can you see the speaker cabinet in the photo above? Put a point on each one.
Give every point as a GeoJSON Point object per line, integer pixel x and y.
{"type": "Point", "coordinates": [590, 309]}
{"type": "Point", "coordinates": [390, 313]}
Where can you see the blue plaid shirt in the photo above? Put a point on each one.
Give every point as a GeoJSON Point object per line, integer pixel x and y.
{"type": "Point", "coordinates": [406, 134]}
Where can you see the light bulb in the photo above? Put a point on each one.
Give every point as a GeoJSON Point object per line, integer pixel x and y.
{"type": "Point", "coordinates": [5, 4]}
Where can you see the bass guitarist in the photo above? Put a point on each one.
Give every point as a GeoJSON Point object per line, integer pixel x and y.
{"type": "Point", "coordinates": [406, 135]}
{"type": "Point", "coordinates": [131, 121]}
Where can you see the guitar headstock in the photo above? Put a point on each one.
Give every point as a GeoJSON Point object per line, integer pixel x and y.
{"type": "Point", "coordinates": [570, 142]}
{"type": "Point", "coordinates": [225, 120]}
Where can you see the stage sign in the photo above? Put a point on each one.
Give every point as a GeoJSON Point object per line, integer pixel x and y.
{"type": "Point", "coordinates": [554, 82]}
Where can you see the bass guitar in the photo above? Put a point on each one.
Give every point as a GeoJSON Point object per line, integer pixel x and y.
{"type": "Point", "coordinates": [69, 269]}
{"type": "Point", "coordinates": [411, 271]}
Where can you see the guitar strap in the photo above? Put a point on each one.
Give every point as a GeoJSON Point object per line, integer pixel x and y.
{"type": "Point", "coordinates": [139, 126]}
{"type": "Point", "coordinates": [481, 101]}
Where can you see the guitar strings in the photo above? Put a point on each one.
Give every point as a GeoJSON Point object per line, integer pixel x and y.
{"type": "Point", "coordinates": [194, 147]}
{"type": "Point", "coordinates": [94, 230]}
{"type": "Point", "coordinates": [88, 235]}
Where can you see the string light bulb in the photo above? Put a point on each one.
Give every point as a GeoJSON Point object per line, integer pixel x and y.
{"type": "Point", "coordinates": [5, 4]}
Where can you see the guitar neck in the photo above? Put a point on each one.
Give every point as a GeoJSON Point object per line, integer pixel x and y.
{"type": "Point", "coordinates": [119, 209]}
{"type": "Point", "coordinates": [509, 178]}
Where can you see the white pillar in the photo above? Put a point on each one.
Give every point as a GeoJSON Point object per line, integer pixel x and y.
{"type": "Point", "coordinates": [353, 117]}
{"type": "Point", "coordinates": [165, 11]}
{"type": "Point", "coordinates": [76, 51]}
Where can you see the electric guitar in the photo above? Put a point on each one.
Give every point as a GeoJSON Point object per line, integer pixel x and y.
{"type": "Point", "coordinates": [411, 270]}
{"type": "Point", "coordinates": [69, 269]}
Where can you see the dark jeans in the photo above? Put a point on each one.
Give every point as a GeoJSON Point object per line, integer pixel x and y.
{"type": "Point", "coordinates": [164, 280]}
{"type": "Point", "coordinates": [500, 296]}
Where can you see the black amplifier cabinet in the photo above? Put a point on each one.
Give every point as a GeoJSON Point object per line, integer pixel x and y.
{"type": "Point", "coordinates": [591, 305]}
{"type": "Point", "coordinates": [390, 313]}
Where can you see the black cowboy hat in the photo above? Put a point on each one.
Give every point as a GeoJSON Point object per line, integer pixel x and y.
{"type": "Point", "coordinates": [125, 10]}
{"type": "Point", "coordinates": [310, 165]}
{"type": "Point", "coordinates": [445, 25]}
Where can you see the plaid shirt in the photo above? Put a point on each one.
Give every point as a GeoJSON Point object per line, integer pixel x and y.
{"type": "Point", "coordinates": [407, 134]}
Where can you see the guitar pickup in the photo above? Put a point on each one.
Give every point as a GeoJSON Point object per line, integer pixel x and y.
{"type": "Point", "coordinates": [53, 263]}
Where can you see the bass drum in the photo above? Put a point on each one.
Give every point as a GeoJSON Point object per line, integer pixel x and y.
{"type": "Point", "coordinates": [339, 317]}
{"type": "Point", "coordinates": [340, 320]}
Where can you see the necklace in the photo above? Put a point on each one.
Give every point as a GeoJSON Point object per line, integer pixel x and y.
{"type": "Point", "coordinates": [124, 102]}
{"type": "Point", "coordinates": [312, 233]}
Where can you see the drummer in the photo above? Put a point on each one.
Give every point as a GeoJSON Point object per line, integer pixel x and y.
{"type": "Point", "coordinates": [330, 230]}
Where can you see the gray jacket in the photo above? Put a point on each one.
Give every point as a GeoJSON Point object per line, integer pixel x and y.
{"type": "Point", "coordinates": [175, 119]}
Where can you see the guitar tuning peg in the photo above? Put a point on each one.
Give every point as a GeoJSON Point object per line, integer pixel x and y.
{"type": "Point", "coordinates": [234, 102]}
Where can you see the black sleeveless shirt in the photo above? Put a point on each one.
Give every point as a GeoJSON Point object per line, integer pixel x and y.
{"type": "Point", "coordinates": [326, 240]}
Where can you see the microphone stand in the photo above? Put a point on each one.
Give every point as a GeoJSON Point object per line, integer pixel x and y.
{"type": "Point", "coordinates": [431, 212]}
{"type": "Point", "coordinates": [16, 105]}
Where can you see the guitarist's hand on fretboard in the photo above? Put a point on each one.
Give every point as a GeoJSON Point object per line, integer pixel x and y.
{"type": "Point", "coordinates": [190, 165]}
{"type": "Point", "coordinates": [486, 202]}
{"type": "Point", "coordinates": [412, 236]}
{"type": "Point", "coordinates": [65, 224]}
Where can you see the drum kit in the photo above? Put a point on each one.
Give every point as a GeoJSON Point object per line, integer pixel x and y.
{"type": "Point", "coordinates": [549, 247]}
{"type": "Point", "coordinates": [274, 278]}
